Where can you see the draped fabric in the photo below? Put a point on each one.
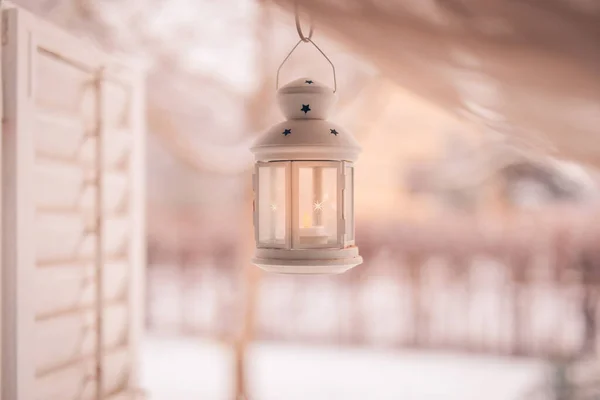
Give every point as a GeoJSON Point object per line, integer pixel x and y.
{"type": "Point", "coordinates": [515, 81]}
{"type": "Point", "coordinates": [526, 69]}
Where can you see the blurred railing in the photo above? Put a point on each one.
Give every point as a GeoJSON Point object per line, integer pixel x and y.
{"type": "Point", "coordinates": [525, 287]}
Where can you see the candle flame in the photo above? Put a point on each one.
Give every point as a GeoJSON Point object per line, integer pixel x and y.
{"type": "Point", "coordinates": [306, 223]}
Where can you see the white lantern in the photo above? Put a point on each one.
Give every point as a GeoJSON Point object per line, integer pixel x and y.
{"type": "Point", "coordinates": [304, 187]}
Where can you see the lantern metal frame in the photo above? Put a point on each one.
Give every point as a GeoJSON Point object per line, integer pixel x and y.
{"type": "Point", "coordinates": [288, 204]}
{"type": "Point", "coordinates": [291, 256]}
{"type": "Point", "coordinates": [292, 208]}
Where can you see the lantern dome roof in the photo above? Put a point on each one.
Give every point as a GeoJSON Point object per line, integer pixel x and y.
{"type": "Point", "coordinates": [306, 139]}
{"type": "Point", "coordinates": [305, 98]}
{"type": "Point", "coordinates": [306, 134]}
{"type": "Point", "coordinates": [305, 85]}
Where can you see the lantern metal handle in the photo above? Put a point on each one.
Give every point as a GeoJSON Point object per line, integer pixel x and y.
{"type": "Point", "coordinates": [299, 27]}
{"type": "Point", "coordinates": [306, 39]}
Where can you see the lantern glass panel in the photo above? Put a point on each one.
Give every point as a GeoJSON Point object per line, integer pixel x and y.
{"type": "Point", "coordinates": [317, 216]}
{"type": "Point", "coordinates": [349, 203]}
{"type": "Point", "coordinates": [272, 205]}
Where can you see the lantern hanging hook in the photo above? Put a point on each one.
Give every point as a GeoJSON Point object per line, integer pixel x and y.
{"type": "Point", "coordinates": [299, 27]}
{"type": "Point", "coordinates": [305, 39]}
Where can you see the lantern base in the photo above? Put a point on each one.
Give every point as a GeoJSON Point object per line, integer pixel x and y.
{"type": "Point", "coordinates": [313, 262]}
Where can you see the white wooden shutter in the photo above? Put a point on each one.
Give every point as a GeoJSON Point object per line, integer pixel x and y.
{"type": "Point", "coordinates": [72, 150]}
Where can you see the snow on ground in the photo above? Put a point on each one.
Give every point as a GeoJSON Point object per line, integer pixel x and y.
{"type": "Point", "coordinates": [176, 368]}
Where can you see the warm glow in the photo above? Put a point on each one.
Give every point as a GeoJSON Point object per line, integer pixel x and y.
{"type": "Point", "coordinates": [318, 205]}
{"type": "Point", "coordinates": [306, 222]}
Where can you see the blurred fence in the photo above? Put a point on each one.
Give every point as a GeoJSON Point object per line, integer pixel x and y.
{"type": "Point", "coordinates": [530, 288]}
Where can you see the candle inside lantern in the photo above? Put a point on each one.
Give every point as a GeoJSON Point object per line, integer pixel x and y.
{"type": "Point", "coordinates": [310, 234]}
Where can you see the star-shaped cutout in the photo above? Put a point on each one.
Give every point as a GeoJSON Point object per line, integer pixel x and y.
{"type": "Point", "coordinates": [333, 132]}
{"type": "Point", "coordinates": [309, 82]}
{"type": "Point", "coordinates": [273, 207]}
{"type": "Point", "coordinates": [286, 132]}
{"type": "Point", "coordinates": [318, 205]}
{"type": "Point", "coordinates": [305, 108]}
